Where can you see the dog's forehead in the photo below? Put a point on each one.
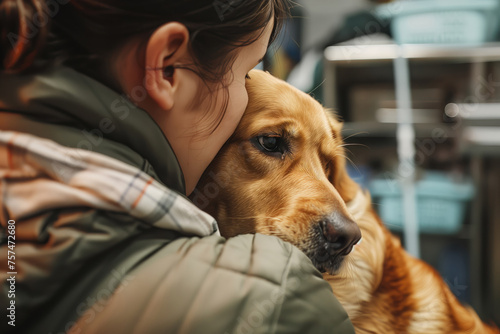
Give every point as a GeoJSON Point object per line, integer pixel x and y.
{"type": "Point", "coordinates": [275, 103]}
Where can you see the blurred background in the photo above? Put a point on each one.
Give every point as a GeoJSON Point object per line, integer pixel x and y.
{"type": "Point", "coordinates": [417, 83]}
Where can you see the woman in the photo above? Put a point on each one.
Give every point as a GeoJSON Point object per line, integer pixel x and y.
{"type": "Point", "coordinates": [109, 113]}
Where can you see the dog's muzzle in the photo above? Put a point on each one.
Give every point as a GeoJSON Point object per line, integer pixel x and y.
{"type": "Point", "coordinates": [334, 237]}
{"type": "Point", "coordinates": [341, 234]}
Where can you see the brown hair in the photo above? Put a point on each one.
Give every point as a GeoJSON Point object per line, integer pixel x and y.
{"type": "Point", "coordinates": [34, 33]}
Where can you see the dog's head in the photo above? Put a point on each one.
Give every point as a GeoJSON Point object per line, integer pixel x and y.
{"type": "Point", "coordinates": [283, 173]}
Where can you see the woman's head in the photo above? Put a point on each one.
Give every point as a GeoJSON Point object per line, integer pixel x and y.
{"type": "Point", "coordinates": [86, 31]}
{"type": "Point", "coordinates": [186, 58]}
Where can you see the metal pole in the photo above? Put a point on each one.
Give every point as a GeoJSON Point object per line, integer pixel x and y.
{"type": "Point", "coordinates": [406, 153]}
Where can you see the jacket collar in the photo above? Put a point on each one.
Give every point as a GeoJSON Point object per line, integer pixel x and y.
{"type": "Point", "coordinates": [97, 115]}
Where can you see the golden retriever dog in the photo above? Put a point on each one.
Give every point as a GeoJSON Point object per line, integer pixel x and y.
{"type": "Point", "coordinates": [283, 173]}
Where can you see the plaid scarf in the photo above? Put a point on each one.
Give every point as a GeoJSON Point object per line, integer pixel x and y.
{"type": "Point", "coordinates": [37, 175]}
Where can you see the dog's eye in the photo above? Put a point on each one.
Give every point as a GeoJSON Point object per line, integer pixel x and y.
{"type": "Point", "coordinates": [269, 143]}
{"type": "Point", "coordinates": [273, 145]}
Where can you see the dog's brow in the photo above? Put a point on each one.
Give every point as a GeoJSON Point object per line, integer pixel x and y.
{"type": "Point", "coordinates": [286, 128]}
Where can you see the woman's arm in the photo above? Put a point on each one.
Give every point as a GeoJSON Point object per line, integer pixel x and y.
{"type": "Point", "coordinates": [247, 284]}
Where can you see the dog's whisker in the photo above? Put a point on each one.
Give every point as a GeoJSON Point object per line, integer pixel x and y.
{"type": "Point", "coordinates": [356, 134]}
{"type": "Point", "coordinates": [348, 151]}
{"type": "Point", "coordinates": [354, 144]}
{"type": "Point", "coordinates": [393, 225]}
{"type": "Point", "coordinates": [254, 217]}
{"type": "Point", "coordinates": [319, 85]}
{"type": "Point", "coordinates": [352, 162]}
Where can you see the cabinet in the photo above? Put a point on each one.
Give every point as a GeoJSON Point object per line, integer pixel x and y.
{"type": "Point", "coordinates": [359, 84]}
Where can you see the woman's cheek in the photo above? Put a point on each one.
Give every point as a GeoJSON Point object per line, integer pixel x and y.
{"type": "Point", "coordinates": [239, 102]}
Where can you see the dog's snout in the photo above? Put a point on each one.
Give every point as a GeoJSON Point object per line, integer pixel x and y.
{"type": "Point", "coordinates": [341, 233]}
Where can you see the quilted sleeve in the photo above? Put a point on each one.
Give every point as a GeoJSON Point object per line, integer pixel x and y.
{"type": "Point", "coordinates": [247, 284]}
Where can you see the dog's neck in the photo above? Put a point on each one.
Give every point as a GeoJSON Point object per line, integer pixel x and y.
{"type": "Point", "coordinates": [359, 204]}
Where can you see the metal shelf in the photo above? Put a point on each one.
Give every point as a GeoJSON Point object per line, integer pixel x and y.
{"type": "Point", "coordinates": [346, 54]}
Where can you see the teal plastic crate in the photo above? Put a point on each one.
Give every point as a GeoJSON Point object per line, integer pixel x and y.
{"type": "Point", "coordinates": [441, 21]}
{"type": "Point", "coordinates": [441, 202]}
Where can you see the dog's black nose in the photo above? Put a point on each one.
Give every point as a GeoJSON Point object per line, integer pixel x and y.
{"type": "Point", "coordinates": [341, 233]}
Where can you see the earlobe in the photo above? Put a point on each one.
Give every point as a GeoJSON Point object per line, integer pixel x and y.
{"type": "Point", "coordinates": [167, 45]}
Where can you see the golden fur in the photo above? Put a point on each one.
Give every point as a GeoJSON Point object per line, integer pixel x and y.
{"type": "Point", "coordinates": [383, 289]}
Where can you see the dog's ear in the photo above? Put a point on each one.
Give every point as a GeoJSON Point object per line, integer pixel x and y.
{"type": "Point", "coordinates": [339, 177]}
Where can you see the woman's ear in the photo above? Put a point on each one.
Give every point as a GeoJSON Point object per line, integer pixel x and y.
{"type": "Point", "coordinates": [167, 46]}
